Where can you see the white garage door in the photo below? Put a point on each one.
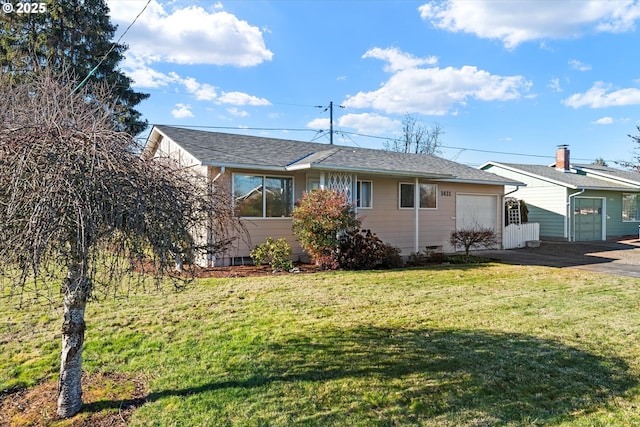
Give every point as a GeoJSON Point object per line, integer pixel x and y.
{"type": "Point", "coordinates": [476, 211]}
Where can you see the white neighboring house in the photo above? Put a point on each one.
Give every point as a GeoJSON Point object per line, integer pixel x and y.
{"type": "Point", "coordinates": [576, 202]}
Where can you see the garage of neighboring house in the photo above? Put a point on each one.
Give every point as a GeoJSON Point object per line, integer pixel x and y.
{"type": "Point", "coordinates": [589, 215]}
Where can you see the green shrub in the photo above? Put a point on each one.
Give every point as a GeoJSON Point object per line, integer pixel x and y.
{"type": "Point", "coordinates": [363, 250]}
{"type": "Point", "coordinates": [426, 257]}
{"type": "Point", "coordinates": [276, 253]}
{"type": "Point", "coordinates": [318, 219]}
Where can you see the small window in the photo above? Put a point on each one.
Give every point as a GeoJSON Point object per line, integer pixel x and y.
{"type": "Point", "coordinates": [630, 207]}
{"type": "Point", "coordinates": [365, 194]}
{"type": "Point", "coordinates": [428, 196]}
{"type": "Point", "coordinates": [407, 196]}
{"type": "Point", "coordinates": [263, 196]}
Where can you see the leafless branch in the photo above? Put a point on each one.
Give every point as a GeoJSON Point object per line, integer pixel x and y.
{"type": "Point", "coordinates": [76, 194]}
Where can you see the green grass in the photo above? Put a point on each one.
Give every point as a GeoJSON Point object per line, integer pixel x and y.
{"type": "Point", "coordinates": [456, 345]}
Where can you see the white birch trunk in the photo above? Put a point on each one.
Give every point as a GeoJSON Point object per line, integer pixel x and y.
{"type": "Point", "coordinates": [77, 291]}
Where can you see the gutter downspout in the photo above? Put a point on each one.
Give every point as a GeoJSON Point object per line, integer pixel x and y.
{"type": "Point", "coordinates": [510, 192]}
{"type": "Point", "coordinates": [569, 214]}
{"type": "Point", "coordinates": [416, 204]}
{"type": "Point", "coordinates": [222, 170]}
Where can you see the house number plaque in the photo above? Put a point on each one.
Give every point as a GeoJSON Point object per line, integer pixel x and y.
{"type": "Point", "coordinates": [445, 193]}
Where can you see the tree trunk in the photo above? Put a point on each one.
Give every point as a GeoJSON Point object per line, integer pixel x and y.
{"type": "Point", "coordinates": [179, 263]}
{"type": "Point", "coordinates": [77, 289]}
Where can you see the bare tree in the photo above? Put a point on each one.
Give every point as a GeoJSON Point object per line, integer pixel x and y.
{"type": "Point", "coordinates": [475, 236]}
{"type": "Point", "coordinates": [80, 207]}
{"type": "Point", "coordinates": [416, 138]}
{"type": "Point", "coordinates": [635, 163]}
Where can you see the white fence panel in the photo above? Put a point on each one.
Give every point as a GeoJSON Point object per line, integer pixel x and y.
{"type": "Point", "coordinates": [517, 235]}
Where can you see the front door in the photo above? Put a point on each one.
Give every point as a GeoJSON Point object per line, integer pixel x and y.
{"type": "Point", "coordinates": [588, 217]}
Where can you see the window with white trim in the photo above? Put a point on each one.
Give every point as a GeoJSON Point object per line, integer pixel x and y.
{"type": "Point", "coordinates": [364, 194]}
{"type": "Point", "coordinates": [258, 196]}
{"type": "Point", "coordinates": [630, 211]}
{"type": "Point", "coordinates": [428, 196]}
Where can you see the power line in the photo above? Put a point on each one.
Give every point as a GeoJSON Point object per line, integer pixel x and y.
{"type": "Point", "coordinates": [237, 128]}
{"type": "Point", "coordinates": [319, 133]}
{"type": "Point", "coordinates": [113, 46]}
{"type": "Point", "coordinates": [330, 108]}
{"type": "Point", "coordinates": [385, 138]}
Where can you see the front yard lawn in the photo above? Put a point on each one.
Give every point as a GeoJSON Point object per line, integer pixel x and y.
{"type": "Point", "coordinates": [473, 345]}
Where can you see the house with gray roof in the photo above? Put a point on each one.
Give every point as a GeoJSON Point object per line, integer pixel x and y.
{"type": "Point", "coordinates": [576, 202]}
{"type": "Point", "coordinates": [411, 201]}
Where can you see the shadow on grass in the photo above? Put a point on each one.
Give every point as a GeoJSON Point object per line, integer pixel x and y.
{"type": "Point", "coordinates": [476, 375]}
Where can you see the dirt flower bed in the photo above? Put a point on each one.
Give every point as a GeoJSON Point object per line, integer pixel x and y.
{"type": "Point", "coordinates": [110, 399]}
{"type": "Point", "coordinates": [249, 271]}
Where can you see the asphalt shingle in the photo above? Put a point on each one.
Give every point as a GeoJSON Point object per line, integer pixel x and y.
{"type": "Point", "coordinates": [233, 150]}
{"type": "Point", "coordinates": [569, 179]}
{"type": "Point", "coordinates": [612, 173]}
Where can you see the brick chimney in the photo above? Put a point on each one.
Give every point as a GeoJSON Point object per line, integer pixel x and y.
{"type": "Point", "coordinates": [562, 158]}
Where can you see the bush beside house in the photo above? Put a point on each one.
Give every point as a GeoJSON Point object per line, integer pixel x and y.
{"type": "Point", "coordinates": [318, 220]}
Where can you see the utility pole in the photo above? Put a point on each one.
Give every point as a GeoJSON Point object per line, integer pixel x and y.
{"type": "Point", "coordinates": [331, 122]}
{"type": "Point", "coordinates": [330, 108]}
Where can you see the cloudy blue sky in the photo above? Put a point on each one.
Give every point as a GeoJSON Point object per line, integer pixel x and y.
{"type": "Point", "coordinates": [507, 80]}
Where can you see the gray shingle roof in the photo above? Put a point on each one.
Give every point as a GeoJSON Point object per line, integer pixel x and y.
{"type": "Point", "coordinates": [244, 151]}
{"type": "Point", "coordinates": [610, 173]}
{"type": "Point", "coordinates": [567, 179]}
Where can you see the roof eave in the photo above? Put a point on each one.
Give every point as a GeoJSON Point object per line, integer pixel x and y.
{"type": "Point", "coordinates": [608, 176]}
{"type": "Point", "coordinates": [534, 175]}
{"type": "Point", "coordinates": [230, 165]}
{"type": "Point", "coordinates": [626, 189]}
{"type": "Point", "coordinates": [483, 182]}
{"type": "Point", "coordinates": [373, 171]}
{"type": "Point", "coordinates": [155, 141]}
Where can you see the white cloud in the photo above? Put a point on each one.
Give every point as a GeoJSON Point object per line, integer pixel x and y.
{"type": "Point", "coordinates": [554, 84]}
{"type": "Point", "coordinates": [190, 35]}
{"type": "Point", "coordinates": [437, 91]}
{"type": "Point", "coordinates": [604, 121]}
{"type": "Point", "coordinates": [601, 96]}
{"type": "Point", "coordinates": [202, 91]}
{"type": "Point", "coordinates": [318, 124]}
{"type": "Point", "coordinates": [240, 98]}
{"type": "Point", "coordinates": [146, 77]}
{"type": "Point", "coordinates": [398, 60]}
{"type": "Point", "coordinates": [516, 22]}
{"type": "Point", "coordinates": [142, 74]}
{"type": "Point", "coordinates": [372, 124]}
{"type": "Point", "coordinates": [182, 111]}
{"type": "Point", "coordinates": [236, 112]}
{"type": "Point", "coordinates": [577, 65]}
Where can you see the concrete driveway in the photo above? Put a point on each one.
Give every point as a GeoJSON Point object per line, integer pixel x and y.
{"type": "Point", "coordinates": [620, 257]}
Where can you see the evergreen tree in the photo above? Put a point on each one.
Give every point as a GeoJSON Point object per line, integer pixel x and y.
{"type": "Point", "coordinates": [72, 37]}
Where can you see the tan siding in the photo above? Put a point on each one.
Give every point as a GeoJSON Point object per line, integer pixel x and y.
{"type": "Point", "coordinates": [396, 226]}
{"type": "Point", "coordinates": [261, 228]}
{"type": "Point", "coordinates": [393, 225]}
